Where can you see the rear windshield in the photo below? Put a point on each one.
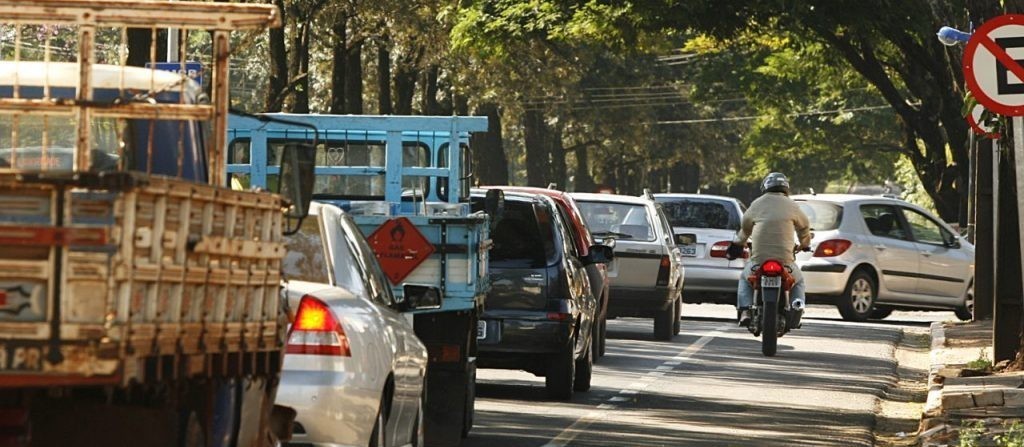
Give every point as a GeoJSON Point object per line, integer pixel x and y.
{"type": "Point", "coordinates": [700, 213]}
{"type": "Point", "coordinates": [524, 236]}
{"type": "Point", "coordinates": [822, 215]}
{"type": "Point", "coordinates": [305, 259]}
{"type": "Point", "coordinates": [620, 220]}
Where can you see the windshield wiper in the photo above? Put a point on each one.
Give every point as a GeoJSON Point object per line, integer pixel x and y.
{"type": "Point", "coordinates": [612, 234]}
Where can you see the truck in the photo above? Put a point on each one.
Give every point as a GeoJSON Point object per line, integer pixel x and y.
{"type": "Point", "coordinates": [405, 180]}
{"type": "Point", "coordinates": [139, 297]}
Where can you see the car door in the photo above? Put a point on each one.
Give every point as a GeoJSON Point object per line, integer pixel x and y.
{"type": "Point", "coordinates": [945, 264]}
{"type": "Point", "coordinates": [896, 255]}
{"type": "Point", "coordinates": [579, 282]}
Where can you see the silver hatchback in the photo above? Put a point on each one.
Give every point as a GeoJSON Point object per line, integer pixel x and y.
{"type": "Point", "coordinates": [871, 255]}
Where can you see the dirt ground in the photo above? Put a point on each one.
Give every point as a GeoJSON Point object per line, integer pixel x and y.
{"type": "Point", "coordinates": [899, 411]}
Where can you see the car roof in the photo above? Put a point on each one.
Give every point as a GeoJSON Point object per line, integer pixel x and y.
{"type": "Point", "coordinates": [528, 189]}
{"type": "Point", "coordinates": [847, 198]}
{"type": "Point", "coordinates": [615, 198]}
{"type": "Point", "coordinates": [684, 195]}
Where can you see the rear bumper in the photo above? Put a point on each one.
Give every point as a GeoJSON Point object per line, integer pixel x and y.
{"type": "Point", "coordinates": [522, 343]}
{"type": "Point", "coordinates": [711, 284]}
{"type": "Point", "coordinates": [639, 302]}
{"type": "Point", "coordinates": [333, 409]}
{"type": "Point", "coordinates": [821, 278]}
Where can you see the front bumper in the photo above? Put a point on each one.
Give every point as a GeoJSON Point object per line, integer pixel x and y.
{"type": "Point", "coordinates": [639, 302]}
{"type": "Point", "coordinates": [332, 409]}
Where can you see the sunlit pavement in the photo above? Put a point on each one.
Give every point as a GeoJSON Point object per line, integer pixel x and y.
{"type": "Point", "coordinates": [710, 386]}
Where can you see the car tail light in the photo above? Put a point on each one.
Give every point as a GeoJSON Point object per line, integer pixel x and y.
{"type": "Point", "coordinates": [833, 247]}
{"type": "Point", "coordinates": [559, 316]}
{"type": "Point", "coordinates": [666, 265]}
{"type": "Point", "coordinates": [718, 250]}
{"type": "Point", "coordinates": [771, 268]}
{"type": "Point", "coordinates": [317, 331]}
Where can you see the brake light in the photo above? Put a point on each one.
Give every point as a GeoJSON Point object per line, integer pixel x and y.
{"type": "Point", "coordinates": [559, 316]}
{"type": "Point", "coordinates": [718, 250]}
{"type": "Point", "coordinates": [771, 268]}
{"type": "Point", "coordinates": [833, 247]}
{"type": "Point", "coordinates": [317, 331]}
{"type": "Point", "coordinates": [666, 265]}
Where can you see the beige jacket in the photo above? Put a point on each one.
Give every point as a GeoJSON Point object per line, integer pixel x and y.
{"type": "Point", "coordinates": [771, 223]}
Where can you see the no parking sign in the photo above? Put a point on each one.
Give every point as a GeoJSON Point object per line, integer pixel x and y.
{"type": "Point", "coordinates": [994, 64]}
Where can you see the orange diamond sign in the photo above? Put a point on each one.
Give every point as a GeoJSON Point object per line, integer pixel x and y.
{"type": "Point", "coordinates": [400, 248]}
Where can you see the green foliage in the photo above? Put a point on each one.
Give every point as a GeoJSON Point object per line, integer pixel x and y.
{"type": "Point", "coordinates": [913, 191]}
{"type": "Point", "coordinates": [982, 363]}
{"type": "Point", "coordinates": [1013, 437]}
{"type": "Point", "coordinates": [972, 433]}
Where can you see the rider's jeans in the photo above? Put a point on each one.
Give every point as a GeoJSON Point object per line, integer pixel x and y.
{"type": "Point", "coordinates": [745, 293]}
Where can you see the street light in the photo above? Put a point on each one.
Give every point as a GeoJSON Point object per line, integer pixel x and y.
{"type": "Point", "coordinates": [951, 36]}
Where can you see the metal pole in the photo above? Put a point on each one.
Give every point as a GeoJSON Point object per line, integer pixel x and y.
{"type": "Point", "coordinates": [972, 191]}
{"type": "Point", "coordinates": [1018, 157]}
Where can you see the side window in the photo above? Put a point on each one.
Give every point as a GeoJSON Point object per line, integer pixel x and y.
{"type": "Point", "coordinates": [571, 233]}
{"type": "Point", "coordinates": [305, 259]}
{"type": "Point", "coordinates": [925, 229]}
{"type": "Point", "coordinates": [376, 283]}
{"type": "Point", "coordinates": [666, 228]}
{"type": "Point", "coordinates": [884, 221]}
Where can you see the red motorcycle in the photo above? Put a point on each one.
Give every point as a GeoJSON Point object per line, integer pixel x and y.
{"type": "Point", "coordinates": [773, 313]}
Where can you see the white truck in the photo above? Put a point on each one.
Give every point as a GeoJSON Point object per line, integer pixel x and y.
{"type": "Point", "coordinates": [139, 297]}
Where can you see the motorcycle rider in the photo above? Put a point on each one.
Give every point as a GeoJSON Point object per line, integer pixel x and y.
{"type": "Point", "coordinates": [770, 223]}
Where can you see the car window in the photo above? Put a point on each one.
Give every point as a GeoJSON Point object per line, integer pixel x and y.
{"type": "Point", "coordinates": [883, 221]}
{"type": "Point", "coordinates": [700, 213]}
{"type": "Point", "coordinates": [621, 220]}
{"type": "Point", "coordinates": [570, 232]}
{"type": "Point", "coordinates": [524, 236]}
{"type": "Point", "coordinates": [925, 229]}
{"type": "Point", "coordinates": [822, 215]}
{"type": "Point", "coordinates": [305, 259]}
{"type": "Point", "coordinates": [369, 269]}
{"type": "Point", "coordinates": [666, 228]}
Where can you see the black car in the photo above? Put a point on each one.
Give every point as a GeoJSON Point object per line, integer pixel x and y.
{"type": "Point", "coordinates": [539, 313]}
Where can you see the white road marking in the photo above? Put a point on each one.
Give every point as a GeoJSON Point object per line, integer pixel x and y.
{"type": "Point", "coordinates": [619, 399]}
{"type": "Point", "coordinates": [663, 368]}
{"type": "Point", "coordinates": [569, 434]}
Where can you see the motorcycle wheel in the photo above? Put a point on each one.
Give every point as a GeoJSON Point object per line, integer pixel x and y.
{"type": "Point", "coordinates": [770, 320]}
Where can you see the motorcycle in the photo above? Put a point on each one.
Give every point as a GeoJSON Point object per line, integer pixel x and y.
{"type": "Point", "coordinates": [773, 313]}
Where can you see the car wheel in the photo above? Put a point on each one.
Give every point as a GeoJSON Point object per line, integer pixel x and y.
{"type": "Point", "coordinates": [558, 382]}
{"type": "Point", "coordinates": [584, 370]}
{"type": "Point", "coordinates": [966, 312]}
{"type": "Point", "coordinates": [676, 324]}
{"type": "Point", "coordinates": [858, 300]}
{"type": "Point", "coordinates": [603, 337]}
{"type": "Point", "coordinates": [881, 312]}
{"type": "Point", "coordinates": [663, 323]}
{"type": "Point", "coordinates": [378, 437]}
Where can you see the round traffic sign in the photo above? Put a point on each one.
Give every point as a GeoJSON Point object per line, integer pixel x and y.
{"type": "Point", "coordinates": [978, 126]}
{"type": "Point", "coordinates": [993, 73]}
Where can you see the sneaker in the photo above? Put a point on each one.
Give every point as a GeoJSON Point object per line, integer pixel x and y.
{"type": "Point", "coordinates": [744, 317]}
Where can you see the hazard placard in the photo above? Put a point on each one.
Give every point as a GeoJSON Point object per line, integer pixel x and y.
{"type": "Point", "coordinates": [993, 67]}
{"type": "Point", "coordinates": [400, 248]}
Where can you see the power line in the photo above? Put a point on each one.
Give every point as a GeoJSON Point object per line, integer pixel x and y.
{"type": "Point", "coordinates": [754, 117]}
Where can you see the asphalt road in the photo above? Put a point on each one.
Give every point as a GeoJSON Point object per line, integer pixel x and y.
{"type": "Point", "coordinates": [710, 386]}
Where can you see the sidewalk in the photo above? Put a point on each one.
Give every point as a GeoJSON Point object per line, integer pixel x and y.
{"type": "Point", "coordinates": [966, 401]}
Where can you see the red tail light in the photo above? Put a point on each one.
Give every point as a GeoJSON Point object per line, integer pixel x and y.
{"type": "Point", "coordinates": [666, 265]}
{"type": "Point", "coordinates": [559, 316]}
{"type": "Point", "coordinates": [719, 248]}
{"type": "Point", "coordinates": [771, 268]}
{"type": "Point", "coordinates": [316, 331]}
{"type": "Point", "coordinates": [833, 247]}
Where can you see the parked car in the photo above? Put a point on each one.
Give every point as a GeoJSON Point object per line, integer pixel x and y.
{"type": "Point", "coordinates": [647, 273]}
{"type": "Point", "coordinates": [872, 255]}
{"type": "Point", "coordinates": [539, 314]}
{"type": "Point", "coordinates": [704, 227]}
{"type": "Point", "coordinates": [353, 368]}
{"type": "Point", "coordinates": [581, 238]}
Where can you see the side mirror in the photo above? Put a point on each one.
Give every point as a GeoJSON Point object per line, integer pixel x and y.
{"type": "Point", "coordinates": [420, 297]}
{"type": "Point", "coordinates": [609, 242]}
{"type": "Point", "coordinates": [951, 241]}
{"type": "Point", "coordinates": [296, 183]}
{"type": "Point", "coordinates": [600, 254]}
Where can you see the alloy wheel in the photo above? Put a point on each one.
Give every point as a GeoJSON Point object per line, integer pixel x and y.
{"type": "Point", "coordinates": [861, 295]}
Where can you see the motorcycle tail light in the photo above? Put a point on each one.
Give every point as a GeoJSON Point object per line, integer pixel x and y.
{"type": "Point", "coordinates": [316, 331]}
{"type": "Point", "coordinates": [771, 268]}
{"type": "Point", "coordinates": [832, 247]}
{"type": "Point", "coordinates": [666, 265]}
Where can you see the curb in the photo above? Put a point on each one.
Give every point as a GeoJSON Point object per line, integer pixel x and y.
{"type": "Point", "coordinates": [934, 402]}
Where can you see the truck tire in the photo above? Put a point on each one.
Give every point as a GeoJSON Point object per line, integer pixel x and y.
{"type": "Point", "coordinates": [584, 370]}
{"type": "Point", "coordinates": [445, 418]}
{"type": "Point", "coordinates": [470, 408]}
{"type": "Point", "coordinates": [663, 323]}
{"type": "Point", "coordinates": [561, 372]}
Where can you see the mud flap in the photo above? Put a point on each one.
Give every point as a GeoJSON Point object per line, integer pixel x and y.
{"type": "Point", "coordinates": [449, 390]}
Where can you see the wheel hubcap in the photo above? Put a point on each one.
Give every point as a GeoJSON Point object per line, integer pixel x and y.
{"type": "Point", "coordinates": [861, 295]}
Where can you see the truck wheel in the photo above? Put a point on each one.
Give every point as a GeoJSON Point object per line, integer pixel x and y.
{"type": "Point", "coordinates": [560, 373]}
{"type": "Point", "coordinates": [470, 408]}
{"type": "Point", "coordinates": [663, 323]}
{"type": "Point", "coordinates": [584, 370]}
{"type": "Point", "coordinates": [676, 324]}
{"type": "Point", "coordinates": [859, 298]}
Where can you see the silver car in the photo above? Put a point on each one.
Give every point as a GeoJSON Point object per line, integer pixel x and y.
{"type": "Point", "coordinates": [704, 227]}
{"type": "Point", "coordinates": [871, 255]}
{"type": "Point", "coordinates": [646, 275]}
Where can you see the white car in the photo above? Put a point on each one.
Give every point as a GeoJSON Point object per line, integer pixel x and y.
{"type": "Point", "coordinates": [704, 227]}
{"type": "Point", "coordinates": [353, 369]}
{"type": "Point", "coordinates": [871, 255]}
{"type": "Point", "coordinates": [646, 275]}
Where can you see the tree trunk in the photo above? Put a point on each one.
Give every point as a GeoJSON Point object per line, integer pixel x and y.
{"type": "Point", "coordinates": [384, 106]}
{"type": "Point", "coordinates": [354, 78]}
{"type": "Point", "coordinates": [429, 104]}
{"type": "Point", "coordinates": [535, 133]}
{"type": "Point", "coordinates": [584, 181]}
{"type": "Point", "coordinates": [405, 88]}
{"type": "Point", "coordinates": [278, 82]}
{"type": "Point", "coordinates": [556, 153]}
{"type": "Point", "coordinates": [490, 166]}
{"type": "Point", "coordinates": [302, 91]}
{"type": "Point", "coordinates": [339, 66]}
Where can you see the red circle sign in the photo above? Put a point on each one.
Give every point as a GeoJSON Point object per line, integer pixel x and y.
{"type": "Point", "coordinates": [994, 76]}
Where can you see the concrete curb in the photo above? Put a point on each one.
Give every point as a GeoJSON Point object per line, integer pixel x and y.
{"type": "Point", "coordinates": [934, 402]}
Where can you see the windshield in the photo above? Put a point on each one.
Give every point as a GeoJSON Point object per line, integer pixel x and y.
{"type": "Point", "coordinates": [822, 215]}
{"type": "Point", "coordinates": [619, 220]}
{"type": "Point", "coordinates": [700, 213]}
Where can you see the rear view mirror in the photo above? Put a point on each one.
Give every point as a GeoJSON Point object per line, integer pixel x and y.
{"type": "Point", "coordinates": [296, 183]}
{"type": "Point", "coordinates": [608, 242]}
{"type": "Point", "coordinates": [420, 297]}
{"type": "Point", "coordinates": [600, 254]}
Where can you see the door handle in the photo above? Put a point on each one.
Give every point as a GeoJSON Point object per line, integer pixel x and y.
{"type": "Point", "coordinates": [880, 247]}
{"type": "Point", "coordinates": [926, 254]}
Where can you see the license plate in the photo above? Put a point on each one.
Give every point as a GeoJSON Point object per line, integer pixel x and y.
{"type": "Point", "coordinates": [771, 281]}
{"type": "Point", "coordinates": [689, 250]}
{"type": "Point", "coordinates": [481, 330]}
